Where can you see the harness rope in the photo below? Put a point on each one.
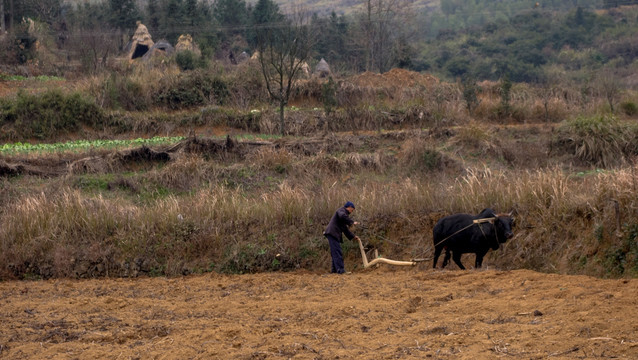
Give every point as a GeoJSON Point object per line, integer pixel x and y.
{"type": "Point", "coordinates": [476, 221]}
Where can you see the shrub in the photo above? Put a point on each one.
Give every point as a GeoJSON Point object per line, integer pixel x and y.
{"type": "Point", "coordinates": [48, 114]}
{"type": "Point", "coordinates": [8, 51]}
{"type": "Point", "coordinates": [329, 96]}
{"type": "Point", "coordinates": [470, 94]}
{"type": "Point", "coordinates": [629, 108]}
{"type": "Point", "coordinates": [186, 60]}
{"type": "Point", "coordinates": [622, 259]}
{"type": "Point", "coordinates": [247, 86]}
{"type": "Point", "coordinates": [600, 139]}
{"type": "Point", "coordinates": [418, 155]}
{"type": "Point", "coordinates": [124, 92]}
{"type": "Point", "coordinates": [505, 91]}
{"type": "Point", "coordinates": [193, 89]}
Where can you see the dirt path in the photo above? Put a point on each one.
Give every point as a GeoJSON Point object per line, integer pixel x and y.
{"type": "Point", "coordinates": [385, 313]}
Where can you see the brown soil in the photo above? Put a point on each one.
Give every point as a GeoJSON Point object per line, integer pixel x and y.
{"type": "Point", "coordinates": [384, 313]}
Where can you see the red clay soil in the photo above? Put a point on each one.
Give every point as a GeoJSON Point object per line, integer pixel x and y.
{"type": "Point", "coordinates": [384, 313]}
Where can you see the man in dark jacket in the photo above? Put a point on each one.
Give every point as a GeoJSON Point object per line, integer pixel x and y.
{"type": "Point", "coordinates": [338, 225]}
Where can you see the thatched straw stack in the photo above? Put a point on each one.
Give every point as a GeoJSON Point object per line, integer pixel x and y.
{"type": "Point", "coordinates": [322, 69]}
{"type": "Point", "coordinates": [140, 43]}
{"type": "Point", "coordinates": [185, 42]}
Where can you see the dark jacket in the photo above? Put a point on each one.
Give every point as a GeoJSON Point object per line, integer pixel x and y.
{"type": "Point", "coordinates": [339, 224]}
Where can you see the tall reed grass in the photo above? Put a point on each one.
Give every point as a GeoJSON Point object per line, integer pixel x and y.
{"type": "Point", "coordinates": [602, 140]}
{"type": "Point", "coordinates": [565, 222]}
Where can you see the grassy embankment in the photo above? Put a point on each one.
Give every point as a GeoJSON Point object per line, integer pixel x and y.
{"type": "Point", "coordinates": [571, 181]}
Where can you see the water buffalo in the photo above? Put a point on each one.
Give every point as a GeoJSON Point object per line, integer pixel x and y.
{"type": "Point", "coordinates": [464, 233]}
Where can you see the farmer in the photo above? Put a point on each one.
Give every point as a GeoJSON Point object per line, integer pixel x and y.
{"type": "Point", "coordinates": [338, 225]}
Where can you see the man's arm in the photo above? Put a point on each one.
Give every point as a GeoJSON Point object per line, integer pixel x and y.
{"type": "Point", "coordinates": [345, 219]}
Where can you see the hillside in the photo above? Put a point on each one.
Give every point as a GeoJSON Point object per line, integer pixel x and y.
{"type": "Point", "coordinates": [483, 40]}
{"type": "Point", "coordinates": [230, 195]}
{"type": "Point", "coordinates": [346, 7]}
{"type": "Point", "coordinates": [321, 7]}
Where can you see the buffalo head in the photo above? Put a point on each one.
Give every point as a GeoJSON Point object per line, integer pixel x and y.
{"type": "Point", "coordinates": [504, 224]}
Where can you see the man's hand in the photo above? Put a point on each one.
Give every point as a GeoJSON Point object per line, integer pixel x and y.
{"type": "Point", "coordinates": [356, 238]}
{"type": "Point", "coordinates": [356, 223]}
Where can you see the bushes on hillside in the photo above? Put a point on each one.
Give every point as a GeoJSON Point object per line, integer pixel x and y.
{"type": "Point", "coordinates": [48, 114]}
{"type": "Point", "coordinates": [188, 60]}
{"type": "Point", "coordinates": [192, 89]}
{"type": "Point", "coordinates": [629, 108]}
{"type": "Point", "coordinates": [600, 139]}
{"type": "Point", "coordinates": [124, 92]}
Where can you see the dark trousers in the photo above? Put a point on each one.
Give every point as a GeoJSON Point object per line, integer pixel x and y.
{"type": "Point", "coordinates": [336, 254]}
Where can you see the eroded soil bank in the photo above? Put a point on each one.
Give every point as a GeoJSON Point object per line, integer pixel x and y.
{"type": "Point", "coordinates": [384, 313]}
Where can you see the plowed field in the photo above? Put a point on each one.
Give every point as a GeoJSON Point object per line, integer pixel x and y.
{"type": "Point", "coordinates": [384, 313]}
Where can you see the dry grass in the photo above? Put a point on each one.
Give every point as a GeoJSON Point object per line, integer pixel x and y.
{"type": "Point", "coordinates": [58, 234]}
{"type": "Point", "coordinates": [476, 136]}
{"type": "Point", "coordinates": [602, 140]}
{"type": "Point", "coordinates": [271, 158]}
{"type": "Point", "coordinates": [237, 214]}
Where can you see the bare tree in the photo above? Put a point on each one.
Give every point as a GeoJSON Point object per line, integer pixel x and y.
{"type": "Point", "coordinates": [2, 26]}
{"type": "Point", "coordinates": [11, 12]}
{"type": "Point", "coordinates": [382, 25]}
{"type": "Point", "coordinates": [93, 47]}
{"type": "Point", "coordinates": [46, 10]}
{"type": "Point", "coordinates": [608, 85]}
{"type": "Point", "coordinates": [547, 86]}
{"type": "Point", "coordinates": [283, 49]}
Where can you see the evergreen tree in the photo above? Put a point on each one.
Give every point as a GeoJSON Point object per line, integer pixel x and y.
{"type": "Point", "coordinates": [191, 14]}
{"type": "Point", "coordinates": [173, 20]}
{"type": "Point", "coordinates": [153, 13]}
{"type": "Point", "coordinates": [205, 29]}
{"type": "Point", "coordinates": [265, 15]}
{"type": "Point", "coordinates": [337, 35]}
{"type": "Point", "coordinates": [505, 91]}
{"type": "Point", "coordinates": [265, 12]}
{"type": "Point", "coordinates": [232, 16]}
{"type": "Point", "coordinates": [123, 14]}
{"type": "Point", "coordinates": [470, 90]}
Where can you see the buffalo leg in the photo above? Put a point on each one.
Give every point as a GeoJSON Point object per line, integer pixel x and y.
{"type": "Point", "coordinates": [457, 259]}
{"type": "Point", "coordinates": [446, 259]}
{"type": "Point", "coordinates": [479, 260]}
{"type": "Point", "coordinates": [437, 253]}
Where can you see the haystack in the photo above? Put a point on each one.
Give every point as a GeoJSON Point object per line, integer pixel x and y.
{"type": "Point", "coordinates": [185, 42]}
{"type": "Point", "coordinates": [323, 69]}
{"type": "Point", "coordinates": [140, 43]}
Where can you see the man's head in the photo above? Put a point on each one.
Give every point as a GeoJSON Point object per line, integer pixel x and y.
{"type": "Point", "coordinates": [349, 206]}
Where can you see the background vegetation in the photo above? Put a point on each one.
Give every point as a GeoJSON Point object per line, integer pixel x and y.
{"type": "Point", "coordinates": [486, 39]}
{"type": "Point", "coordinates": [532, 109]}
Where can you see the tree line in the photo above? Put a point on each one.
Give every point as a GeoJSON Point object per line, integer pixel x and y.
{"type": "Point", "coordinates": [484, 39]}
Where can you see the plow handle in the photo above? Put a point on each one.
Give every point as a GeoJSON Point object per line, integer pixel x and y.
{"type": "Point", "coordinates": [367, 264]}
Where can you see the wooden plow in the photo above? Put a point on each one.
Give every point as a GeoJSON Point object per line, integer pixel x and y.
{"type": "Point", "coordinates": [378, 259]}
